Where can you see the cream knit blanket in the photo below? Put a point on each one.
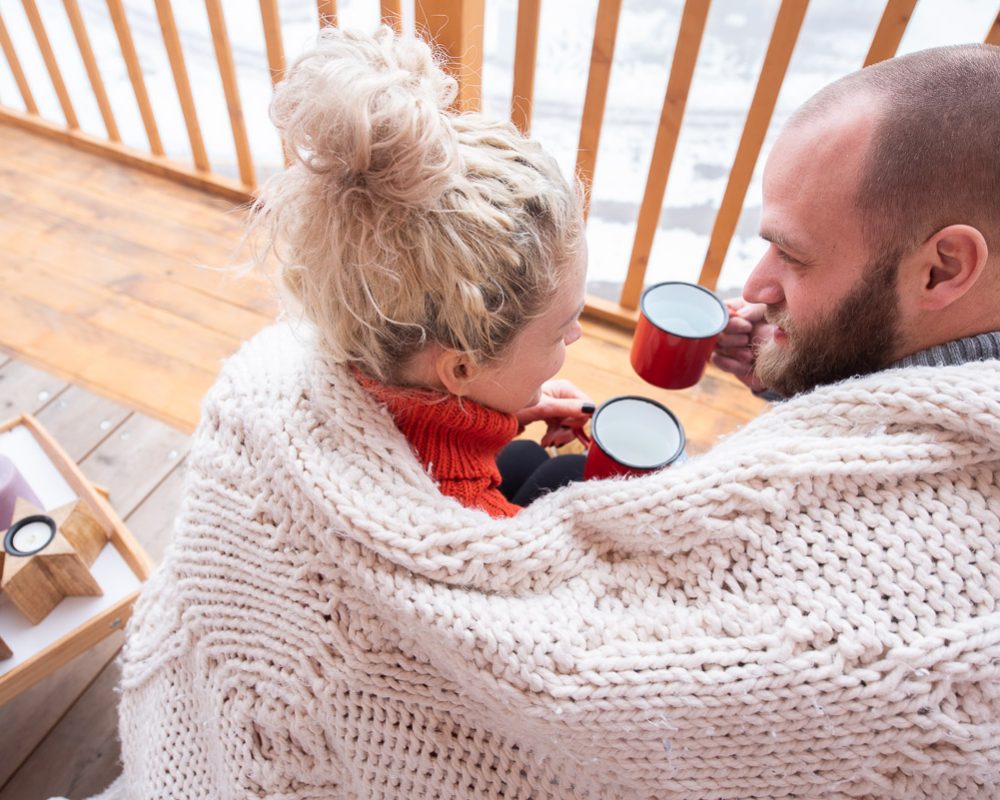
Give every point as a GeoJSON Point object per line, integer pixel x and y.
{"type": "Point", "coordinates": [810, 610]}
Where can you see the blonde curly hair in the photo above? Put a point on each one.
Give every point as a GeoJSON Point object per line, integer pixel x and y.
{"type": "Point", "coordinates": [400, 224]}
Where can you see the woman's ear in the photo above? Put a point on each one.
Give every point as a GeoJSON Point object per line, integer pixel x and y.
{"type": "Point", "coordinates": [455, 371]}
{"type": "Point", "coordinates": [950, 263]}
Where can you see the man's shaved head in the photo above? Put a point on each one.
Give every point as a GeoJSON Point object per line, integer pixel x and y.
{"type": "Point", "coordinates": [934, 159]}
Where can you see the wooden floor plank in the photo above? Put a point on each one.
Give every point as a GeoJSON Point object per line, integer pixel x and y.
{"type": "Point", "coordinates": [80, 420]}
{"type": "Point", "coordinates": [140, 223]}
{"type": "Point", "coordinates": [111, 364]}
{"type": "Point", "coordinates": [25, 389]}
{"type": "Point", "coordinates": [152, 521]}
{"type": "Point", "coordinates": [50, 230]}
{"type": "Point", "coordinates": [135, 460]}
{"type": "Point", "coordinates": [80, 756]}
{"type": "Point", "coordinates": [175, 337]}
{"type": "Point", "coordinates": [26, 720]}
{"type": "Point", "coordinates": [22, 150]}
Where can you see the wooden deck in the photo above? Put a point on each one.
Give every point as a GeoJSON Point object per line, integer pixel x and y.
{"type": "Point", "coordinates": [100, 284]}
{"type": "Point", "coordinates": [111, 329]}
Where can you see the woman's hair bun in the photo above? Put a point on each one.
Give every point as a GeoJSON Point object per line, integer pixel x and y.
{"type": "Point", "coordinates": [370, 113]}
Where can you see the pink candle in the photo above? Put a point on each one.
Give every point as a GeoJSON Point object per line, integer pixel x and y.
{"type": "Point", "coordinates": [12, 486]}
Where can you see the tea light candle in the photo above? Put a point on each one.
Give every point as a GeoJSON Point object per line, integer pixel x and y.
{"type": "Point", "coordinates": [30, 535]}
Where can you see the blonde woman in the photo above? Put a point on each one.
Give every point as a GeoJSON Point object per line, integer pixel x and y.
{"type": "Point", "coordinates": [440, 257]}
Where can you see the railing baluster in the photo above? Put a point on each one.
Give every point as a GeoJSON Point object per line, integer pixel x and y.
{"type": "Point", "coordinates": [391, 12]}
{"type": "Point", "coordinates": [890, 30]}
{"type": "Point", "coordinates": [38, 28]}
{"type": "Point", "coordinates": [93, 73]}
{"type": "Point", "coordinates": [993, 35]}
{"type": "Point", "coordinates": [457, 27]}
{"type": "Point", "coordinates": [692, 29]}
{"type": "Point", "coordinates": [772, 74]}
{"type": "Point", "coordinates": [15, 68]}
{"type": "Point", "coordinates": [272, 38]}
{"type": "Point", "coordinates": [120, 21]}
{"type": "Point", "coordinates": [529, 14]}
{"type": "Point", "coordinates": [175, 53]}
{"type": "Point", "coordinates": [227, 70]}
{"type": "Point", "coordinates": [601, 56]}
{"type": "Point", "coordinates": [327, 13]}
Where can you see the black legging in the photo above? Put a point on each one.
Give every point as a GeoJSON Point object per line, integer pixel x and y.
{"type": "Point", "coordinates": [528, 472]}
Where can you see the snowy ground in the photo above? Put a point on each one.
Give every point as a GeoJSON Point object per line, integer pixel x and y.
{"type": "Point", "coordinates": [834, 40]}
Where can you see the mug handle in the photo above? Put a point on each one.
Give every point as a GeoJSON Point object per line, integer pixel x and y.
{"type": "Point", "coordinates": [582, 437]}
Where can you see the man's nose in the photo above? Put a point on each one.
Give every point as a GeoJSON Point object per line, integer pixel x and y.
{"type": "Point", "coordinates": [764, 284]}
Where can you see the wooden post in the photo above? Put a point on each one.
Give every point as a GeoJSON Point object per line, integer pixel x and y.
{"type": "Point", "coordinates": [889, 32]}
{"type": "Point", "coordinates": [689, 38]}
{"type": "Point", "coordinates": [93, 73]}
{"type": "Point", "coordinates": [272, 39]}
{"type": "Point", "coordinates": [601, 55]}
{"type": "Point", "coordinates": [35, 19]}
{"type": "Point", "coordinates": [15, 68]}
{"type": "Point", "coordinates": [529, 14]}
{"type": "Point", "coordinates": [327, 13]}
{"type": "Point", "coordinates": [456, 26]}
{"type": "Point", "coordinates": [779, 53]}
{"type": "Point", "coordinates": [227, 70]}
{"type": "Point", "coordinates": [993, 34]}
{"type": "Point", "coordinates": [120, 20]}
{"type": "Point", "coordinates": [391, 12]}
{"type": "Point", "coordinates": [172, 42]}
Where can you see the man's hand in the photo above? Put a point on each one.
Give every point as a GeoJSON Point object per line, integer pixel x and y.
{"type": "Point", "coordinates": [735, 351]}
{"type": "Point", "coordinates": [562, 407]}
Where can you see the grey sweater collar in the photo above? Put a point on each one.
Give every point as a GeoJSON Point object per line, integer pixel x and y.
{"type": "Point", "coordinates": [982, 347]}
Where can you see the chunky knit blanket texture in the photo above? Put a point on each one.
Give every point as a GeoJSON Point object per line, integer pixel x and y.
{"type": "Point", "coordinates": [810, 610]}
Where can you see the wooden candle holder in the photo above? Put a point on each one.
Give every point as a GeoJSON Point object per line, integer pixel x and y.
{"type": "Point", "coordinates": [52, 644]}
{"type": "Point", "coordinates": [36, 583]}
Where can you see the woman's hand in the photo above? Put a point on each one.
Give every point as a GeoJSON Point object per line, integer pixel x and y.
{"type": "Point", "coordinates": [562, 407]}
{"type": "Point", "coordinates": [735, 351]}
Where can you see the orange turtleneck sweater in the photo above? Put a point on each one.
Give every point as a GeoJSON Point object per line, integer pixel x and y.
{"type": "Point", "coordinates": [456, 440]}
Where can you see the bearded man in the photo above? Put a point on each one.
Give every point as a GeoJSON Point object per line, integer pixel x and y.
{"type": "Point", "coordinates": [882, 209]}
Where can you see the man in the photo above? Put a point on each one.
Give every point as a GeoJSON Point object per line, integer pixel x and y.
{"type": "Point", "coordinates": [882, 209]}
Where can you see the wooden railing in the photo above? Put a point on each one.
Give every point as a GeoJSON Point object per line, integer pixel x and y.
{"type": "Point", "coordinates": [457, 27]}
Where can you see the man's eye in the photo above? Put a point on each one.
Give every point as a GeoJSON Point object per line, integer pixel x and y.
{"type": "Point", "coordinates": [785, 257]}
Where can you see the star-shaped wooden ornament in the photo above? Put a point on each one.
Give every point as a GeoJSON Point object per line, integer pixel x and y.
{"type": "Point", "coordinates": [36, 580]}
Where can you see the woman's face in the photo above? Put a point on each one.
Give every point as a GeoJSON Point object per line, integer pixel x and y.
{"type": "Point", "coordinates": [538, 351]}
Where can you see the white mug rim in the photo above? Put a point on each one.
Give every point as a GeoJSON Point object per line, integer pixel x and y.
{"type": "Point", "coordinates": [682, 439]}
{"type": "Point", "coordinates": [709, 292]}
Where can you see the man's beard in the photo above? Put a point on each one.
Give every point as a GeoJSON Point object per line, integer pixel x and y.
{"type": "Point", "coordinates": [856, 338]}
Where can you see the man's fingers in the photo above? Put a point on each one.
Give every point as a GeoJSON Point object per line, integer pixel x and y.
{"type": "Point", "coordinates": [752, 312]}
{"type": "Point", "coordinates": [732, 365]}
{"type": "Point", "coordinates": [738, 325]}
{"type": "Point", "coordinates": [727, 340]}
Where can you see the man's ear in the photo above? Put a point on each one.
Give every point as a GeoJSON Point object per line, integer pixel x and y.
{"type": "Point", "coordinates": [950, 263]}
{"type": "Point", "coordinates": [455, 371]}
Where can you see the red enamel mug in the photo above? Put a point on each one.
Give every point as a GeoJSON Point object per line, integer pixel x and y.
{"type": "Point", "coordinates": [632, 435]}
{"type": "Point", "coordinates": [679, 324]}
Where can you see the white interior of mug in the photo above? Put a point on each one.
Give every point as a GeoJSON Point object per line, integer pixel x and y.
{"type": "Point", "coordinates": [684, 309]}
{"type": "Point", "coordinates": [637, 433]}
